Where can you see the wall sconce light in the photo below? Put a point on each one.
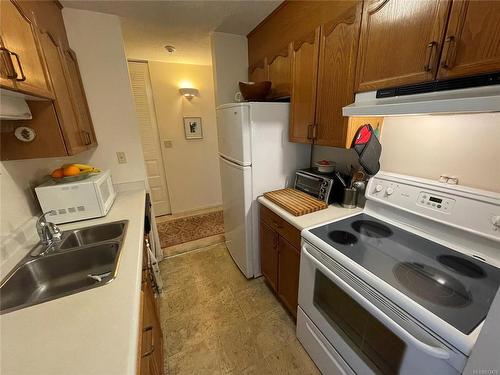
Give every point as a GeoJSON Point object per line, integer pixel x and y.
{"type": "Point", "coordinates": [189, 93]}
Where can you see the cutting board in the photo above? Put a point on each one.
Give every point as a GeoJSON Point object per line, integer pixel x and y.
{"type": "Point", "coordinates": [294, 201]}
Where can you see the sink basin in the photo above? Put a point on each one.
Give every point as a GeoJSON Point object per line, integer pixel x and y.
{"type": "Point", "coordinates": [89, 259]}
{"type": "Point", "coordinates": [92, 235]}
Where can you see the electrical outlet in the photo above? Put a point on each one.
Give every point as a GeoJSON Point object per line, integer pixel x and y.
{"type": "Point", "coordinates": [122, 158]}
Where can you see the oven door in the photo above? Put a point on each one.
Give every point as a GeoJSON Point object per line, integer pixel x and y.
{"type": "Point", "coordinates": [370, 333]}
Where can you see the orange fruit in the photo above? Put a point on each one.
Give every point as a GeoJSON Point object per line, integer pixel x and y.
{"type": "Point", "coordinates": [57, 173]}
{"type": "Point", "coordinates": [71, 170]}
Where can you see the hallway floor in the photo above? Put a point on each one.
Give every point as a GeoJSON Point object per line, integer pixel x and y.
{"type": "Point", "coordinates": [217, 322]}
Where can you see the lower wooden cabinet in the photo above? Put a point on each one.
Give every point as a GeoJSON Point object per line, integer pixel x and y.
{"type": "Point", "coordinates": [269, 254]}
{"type": "Point", "coordinates": [150, 356]}
{"type": "Point", "coordinates": [280, 257]}
{"type": "Point", "coordinates": [288, 274]}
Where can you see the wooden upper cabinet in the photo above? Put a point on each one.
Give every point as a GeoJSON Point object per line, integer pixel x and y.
{"type": "Point", "coordinates": [279, 72]}
{"type": "Point", "coordinates": [400, 42]}
{"type": "Point", "coordinates": [305, 53]}
{"type": "Point", "coordinates": [472, 42]}
{"type": "Point", "coordinates": [79, 98]}
{"type": "Point", "coordinates": [64, 103]}
{"type": "Point", "coordinates": [258, 72]}
{"type": "Point", "coordinates": [22, 61]}
{"type": "Point", "coordinates": [337, 62]}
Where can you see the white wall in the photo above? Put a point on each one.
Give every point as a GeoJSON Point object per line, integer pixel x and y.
{"type": "Point", "coordinates": [466, 146]}
{"type": "Point", "coordinates": [230, 64]}
{"type": "Point", "coordinates": [192, 166]}
{"type": "Point", "coordinates": [97, 41]}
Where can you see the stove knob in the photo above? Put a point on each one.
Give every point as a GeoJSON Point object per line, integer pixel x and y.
{"type": "Point", "coordinates": [389, 191]}
{"type": "Point", "coordinates": [495, 220]}
{"type": "Point", "coordinates": [378, 188]}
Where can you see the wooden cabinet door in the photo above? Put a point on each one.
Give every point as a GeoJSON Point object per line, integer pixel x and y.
{"type": "Point", "coordinates": [337, 61]}
{"type": "Point", "coordinates": [258, 72]}
{"type": "Point", "coordinates": [472, 43]}
{"type": "Point", "coordinates": [79, 98]}
{"type": "Point", "coordinates": [7, 71]}
{"type": "Point", "coordinates": [279, 72]}
{"type": "Point", "coordinates": [152, 333]}
{"type": "Point", "coordinates": [304, 81]}
{"type": "Point", "coordinates": [288, 274]}
{"type": "Point", "coordinates": [64, 100]}
{"type": "Point", "coordinates": [400, 42]}
{"type": "Point", "coordinates": [269, 254]}
{"type": "Point", "coordinates": [21, 53]}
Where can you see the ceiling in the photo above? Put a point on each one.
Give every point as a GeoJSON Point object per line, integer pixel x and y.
{"type": "Point", "coordinates": [150, 25]}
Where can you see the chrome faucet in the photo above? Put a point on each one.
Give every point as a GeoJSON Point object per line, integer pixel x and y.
{"type": "Point", "coordinates": [48, 232]}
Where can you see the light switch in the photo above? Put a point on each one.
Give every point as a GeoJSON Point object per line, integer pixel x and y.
{"type": "Point", "coordinates": [167, 143]}
{"type": "Point", "coordinates": [122, 158]}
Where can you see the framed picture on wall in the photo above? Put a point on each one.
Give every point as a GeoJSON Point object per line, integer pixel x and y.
{"type": "Point", "coordinates": [192, 128]}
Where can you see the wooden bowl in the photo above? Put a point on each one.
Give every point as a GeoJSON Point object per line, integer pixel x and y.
{"type": "Point", "coordinates": [255, 91]}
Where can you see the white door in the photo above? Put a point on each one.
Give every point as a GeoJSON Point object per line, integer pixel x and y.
{"type": "Point", "coordinates": [146, 118]}
{"type": "Point", "coordinates": [236, 183]}
{"type": "Point", "coordinates": [234, 133]}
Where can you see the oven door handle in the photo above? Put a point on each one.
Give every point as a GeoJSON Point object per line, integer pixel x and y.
{"type": "Point", "coordinates": [433, 351]}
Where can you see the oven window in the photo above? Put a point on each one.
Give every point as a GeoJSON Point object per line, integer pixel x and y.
{"type": "Point", "coordinates": [371, 340]}
{"type": "Point", "coordinates": [311, 186]}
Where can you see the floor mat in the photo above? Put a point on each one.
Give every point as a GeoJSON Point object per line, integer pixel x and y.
{"type": "Point", "coordinates": [184, 229]}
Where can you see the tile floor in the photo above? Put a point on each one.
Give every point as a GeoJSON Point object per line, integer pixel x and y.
{"type": "Point", "coordinates": [216, 322]}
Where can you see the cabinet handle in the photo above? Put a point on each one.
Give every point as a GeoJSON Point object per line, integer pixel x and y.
{"type": "Point", "coordinates": [311, 131]}
{"type": "Point", "coordinates": [23, 77]}
{"type": "Point", "coordinates": [150, 351]}
{"type": "Point", "coordinates": [11, 72]}
{"type": "Point", "coordinates": [449, 42]}
{"type": "Point", "coordinates": [430, 50]}
{"type": "Point", "coordinates": [86, 138]}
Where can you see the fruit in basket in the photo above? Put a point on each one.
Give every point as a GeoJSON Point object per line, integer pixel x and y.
{"type": "Point", "coordinates": [85, 168]}
{"type": "Point", "coordinates": [57, 173]}
{"type": "Point", "coordinates": [71, 170]}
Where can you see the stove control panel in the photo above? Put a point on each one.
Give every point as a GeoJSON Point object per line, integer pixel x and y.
{"type": "Point", "coordinates": [435, 202]}
{"type": "Point", "coordinates": [474, 210]}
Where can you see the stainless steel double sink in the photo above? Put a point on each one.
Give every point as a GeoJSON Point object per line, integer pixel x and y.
{"type": "Point", "coordinates": [85, 258]}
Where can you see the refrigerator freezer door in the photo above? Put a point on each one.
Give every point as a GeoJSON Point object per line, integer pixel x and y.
{"type": "Point", "coordinates": [234, 134]}
{"type": "Point", "coordinates": [236, 202]}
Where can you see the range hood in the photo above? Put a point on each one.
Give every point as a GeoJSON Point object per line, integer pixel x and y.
{"type": "Point", "coordinates": [468, 100]}
{"type": "Point", "coordinates": [13, 106]}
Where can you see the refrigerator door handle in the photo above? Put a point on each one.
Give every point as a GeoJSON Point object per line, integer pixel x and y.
{"type": "Point", "coordinates": [237, 163]}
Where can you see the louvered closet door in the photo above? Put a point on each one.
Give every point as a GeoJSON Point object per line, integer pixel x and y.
{"type": "Point", "coordinates": [146, 118]}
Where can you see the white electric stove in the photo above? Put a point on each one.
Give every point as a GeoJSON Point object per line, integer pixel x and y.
{"type": "Point", "coordinates": [404, 286]}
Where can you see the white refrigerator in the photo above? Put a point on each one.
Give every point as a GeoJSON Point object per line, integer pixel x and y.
{"type": "Point", "coordinates": [255, 156]}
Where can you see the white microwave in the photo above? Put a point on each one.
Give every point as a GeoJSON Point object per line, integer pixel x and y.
{"type": "Point", "coordinates": [79, 200]}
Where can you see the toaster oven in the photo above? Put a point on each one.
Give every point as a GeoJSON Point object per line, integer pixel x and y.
{"type": "Point", "coordinates": [79, 200]}
{"type": "Point", "coordinates": [322, 186]}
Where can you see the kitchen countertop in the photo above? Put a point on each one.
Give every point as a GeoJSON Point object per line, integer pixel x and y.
{"type": "Point", "coordinates": [91, 332]}
{"type": "Point", "coordinates": [333, 212]}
